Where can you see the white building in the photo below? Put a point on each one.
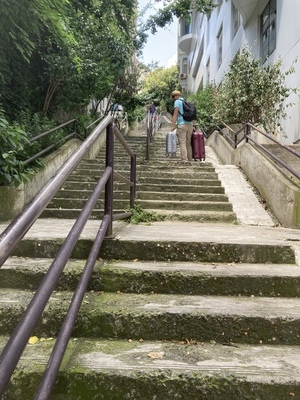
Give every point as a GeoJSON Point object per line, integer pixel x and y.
{"type": "Point", "coordinates": [270, 28]}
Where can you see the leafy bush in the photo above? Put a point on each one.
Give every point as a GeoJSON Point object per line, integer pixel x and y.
{"type": "Point", "coordinates": [137, 115]}
{"type": "Point", "coordinates": [251, 92]}
{"type": "Point", "coordinates": [12, 140]}
{"type": "Point", "coordinates": [204, 102]}
{"type": "Point", "coordinates": [34, 125]}
{"type": "Point", "coordinates": [84, 120]}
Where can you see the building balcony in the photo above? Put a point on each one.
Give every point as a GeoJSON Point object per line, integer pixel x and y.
{"type": "Point", "coordinates": [184, 43]}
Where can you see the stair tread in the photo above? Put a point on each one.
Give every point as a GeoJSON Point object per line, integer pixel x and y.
{"type": "Point", "coordinates": [268, 308]}
{"type": "Point", "coordinates": [281, 364]}
{"type": "Point", "coordinates": [194, 268]}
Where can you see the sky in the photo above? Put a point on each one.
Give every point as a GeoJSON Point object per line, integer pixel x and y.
{"type": "Point", "coordinates": [161, 47]}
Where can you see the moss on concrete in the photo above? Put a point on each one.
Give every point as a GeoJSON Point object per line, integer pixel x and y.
{"type": "Point", "coordinates": [112, 278]}
{"type": "Point", "coordinates": [159, 385]}
{"type": "Point", "coordinates": [165, 251]}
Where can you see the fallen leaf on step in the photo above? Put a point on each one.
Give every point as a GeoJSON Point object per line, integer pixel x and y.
{"type": "Point", "coordinates": [33, 340]}
{"type": "Point", "coordinates": [155, 355]}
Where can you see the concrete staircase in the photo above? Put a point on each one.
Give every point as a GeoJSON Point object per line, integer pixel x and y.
{"type": "Point", "coordinates": [166, 186]}
{"type": "Point", "coordinates": [72, 196]}
{"type": "Point", "coordinates": [175, 310]}
{"type": "Point", "coordinates": [174, 319]}
{"type": "Point", "coordinates": [181, 191]}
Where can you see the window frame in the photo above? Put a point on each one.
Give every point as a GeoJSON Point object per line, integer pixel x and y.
{"type": "Point", "coordinates": [268, 25]}
{"type": "Point", "coordinates": [220, 46]}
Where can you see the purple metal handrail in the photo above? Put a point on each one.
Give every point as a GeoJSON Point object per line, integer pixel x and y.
{"type": "Point", "coordinates": [46, 150]}
{"type": "Point", "coordinates": [149, 134]}
{"type": "Point", "coordinates": [12, 235]}
{"type": "Point", "coordinates": [247, 136]}
{"type": "Point", "coordinates": [151, 129]}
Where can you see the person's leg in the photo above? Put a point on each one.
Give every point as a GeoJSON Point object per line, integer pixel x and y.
{"type": "Point", "coordinates": [181, 133]}
{"type": "Point", "coordinates": [189, 142]}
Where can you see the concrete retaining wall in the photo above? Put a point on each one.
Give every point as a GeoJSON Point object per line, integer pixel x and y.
{"type": "Point", "coordinates": [282, 196]}
{"type": "Point", "coordinates": [13, 200]}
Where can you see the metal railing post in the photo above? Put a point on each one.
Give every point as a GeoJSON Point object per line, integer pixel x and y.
{"type": "Point", "coordinates": [235, 141]}
{"type": "Point", "coordinates": [133, 179]}
{"type": "Point", "coordinates": [247, 132]}
{"type": "Point", "coordinates": [75, 128]}
{"type": "Point", "coordinates": [108, 205]}
{"type": "Point", "coordinates": [148, 137]}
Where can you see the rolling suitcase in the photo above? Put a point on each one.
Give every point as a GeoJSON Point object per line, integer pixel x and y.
{"type": "Point", "coordinates": [171, 144]}
{"type": "Point", "coordinates": [198, 146]}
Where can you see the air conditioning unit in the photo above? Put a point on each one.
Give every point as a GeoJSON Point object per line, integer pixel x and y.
{"type": "Point", "coordinates": [183, 76]}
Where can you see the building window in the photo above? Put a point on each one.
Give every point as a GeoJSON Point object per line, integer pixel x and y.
{"type": "Point", "coordinates": [236, 20]}
{"type": "Point", "coordinates": [185, 66]}
{"type": "Point", "coordinates": [208, 72]}
{"type": "Point", "coordinates": [208, 30]}
{"type": "Point", "coordinates": [185, 26]}
{"type": "Point", "coordinates": [199, 59]}
{"type": "Point", "coordinates": [219, 5]}
{"type": "Point", "coordinates": [268, 30]}
{"type": "Point", "coordinates": [220, 46]}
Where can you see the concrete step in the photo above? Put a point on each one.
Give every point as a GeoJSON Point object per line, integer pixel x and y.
{"type": "Point", "coordinates": [153, 180]}
{"type": "Point", "coordinates": [145, 195]}
{"type": "Point", "coordinates": [73, 213]}
{"type": "Point", "coordinates": [252, 320]}
{"type": "Point", "coordinates": [191, 278]}
{"type": "Point", "coordinates": [185, 196]}
{"type": "Point", "coordinates": [84, 193]}
{"type": "Point", "coordinates": [174, 188]}
{"type": "Point", "coordinates": [196, 181]}
{"type": "Point", "coordinates": [197, 215]}
{"type": "Point", "coordinates": [158, 203]}
{"type": "Point", "coordinates": [188, 188]}
{"type": "Point", "coordinates": [174, 162]}
{"type": "Point", "coordinates": [146, 170]}
{"type": "Point", "coordinates": [185, 205]}
{"type": "Point", "coordinates": [147, 370]}
{"type": "Point", "coordinates": [165, 249]}
{"type": "Point", "coordinates": [170, 215]}
{"type": "Point", "coordinates": [177, 174]}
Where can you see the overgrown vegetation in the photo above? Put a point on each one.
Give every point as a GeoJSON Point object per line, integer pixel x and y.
{"type": "Point", "coordinates": [140, 215]}
{"type": "Point", "coordinates": [249, 92]}
{"type": "Point", "coordinates": [176, 9]}
{"type": "Point", "coordinates": [252, 92]}
{"type": "Point", "coordinates": [12, 140]}
{"type": "Point", "coordinates": [54, 58]}
{"type": "Point", "coordinates": [158, 86]}
{"type": "Point", "coordinates": [204, 102]}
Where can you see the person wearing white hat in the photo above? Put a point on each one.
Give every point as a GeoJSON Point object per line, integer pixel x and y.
{"type": "Point", "coordinates": [184, 128]}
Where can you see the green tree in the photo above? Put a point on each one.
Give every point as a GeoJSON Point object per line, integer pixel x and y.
{"type": "Point", "coordinates": [23, 26]}
{"type": "Point", "coordinates": [177, 9]}
{"type": "Point", "coordinates": [204, 102]}
{"type": "Point", "coordinates": [12, 140]}
{"type": "Point", "coordinates": [159, 84]}
{"type": "Point", "coordinates": [57, 55]}
{"type": "Point", "coordinates": [252, 92]}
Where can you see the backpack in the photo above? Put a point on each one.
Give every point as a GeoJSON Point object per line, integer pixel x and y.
{"type": "Point", "coordinates": [189, 111]}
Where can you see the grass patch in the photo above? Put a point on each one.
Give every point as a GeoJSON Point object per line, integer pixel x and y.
{"type": "Point", "coordinates": [140, 216]}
